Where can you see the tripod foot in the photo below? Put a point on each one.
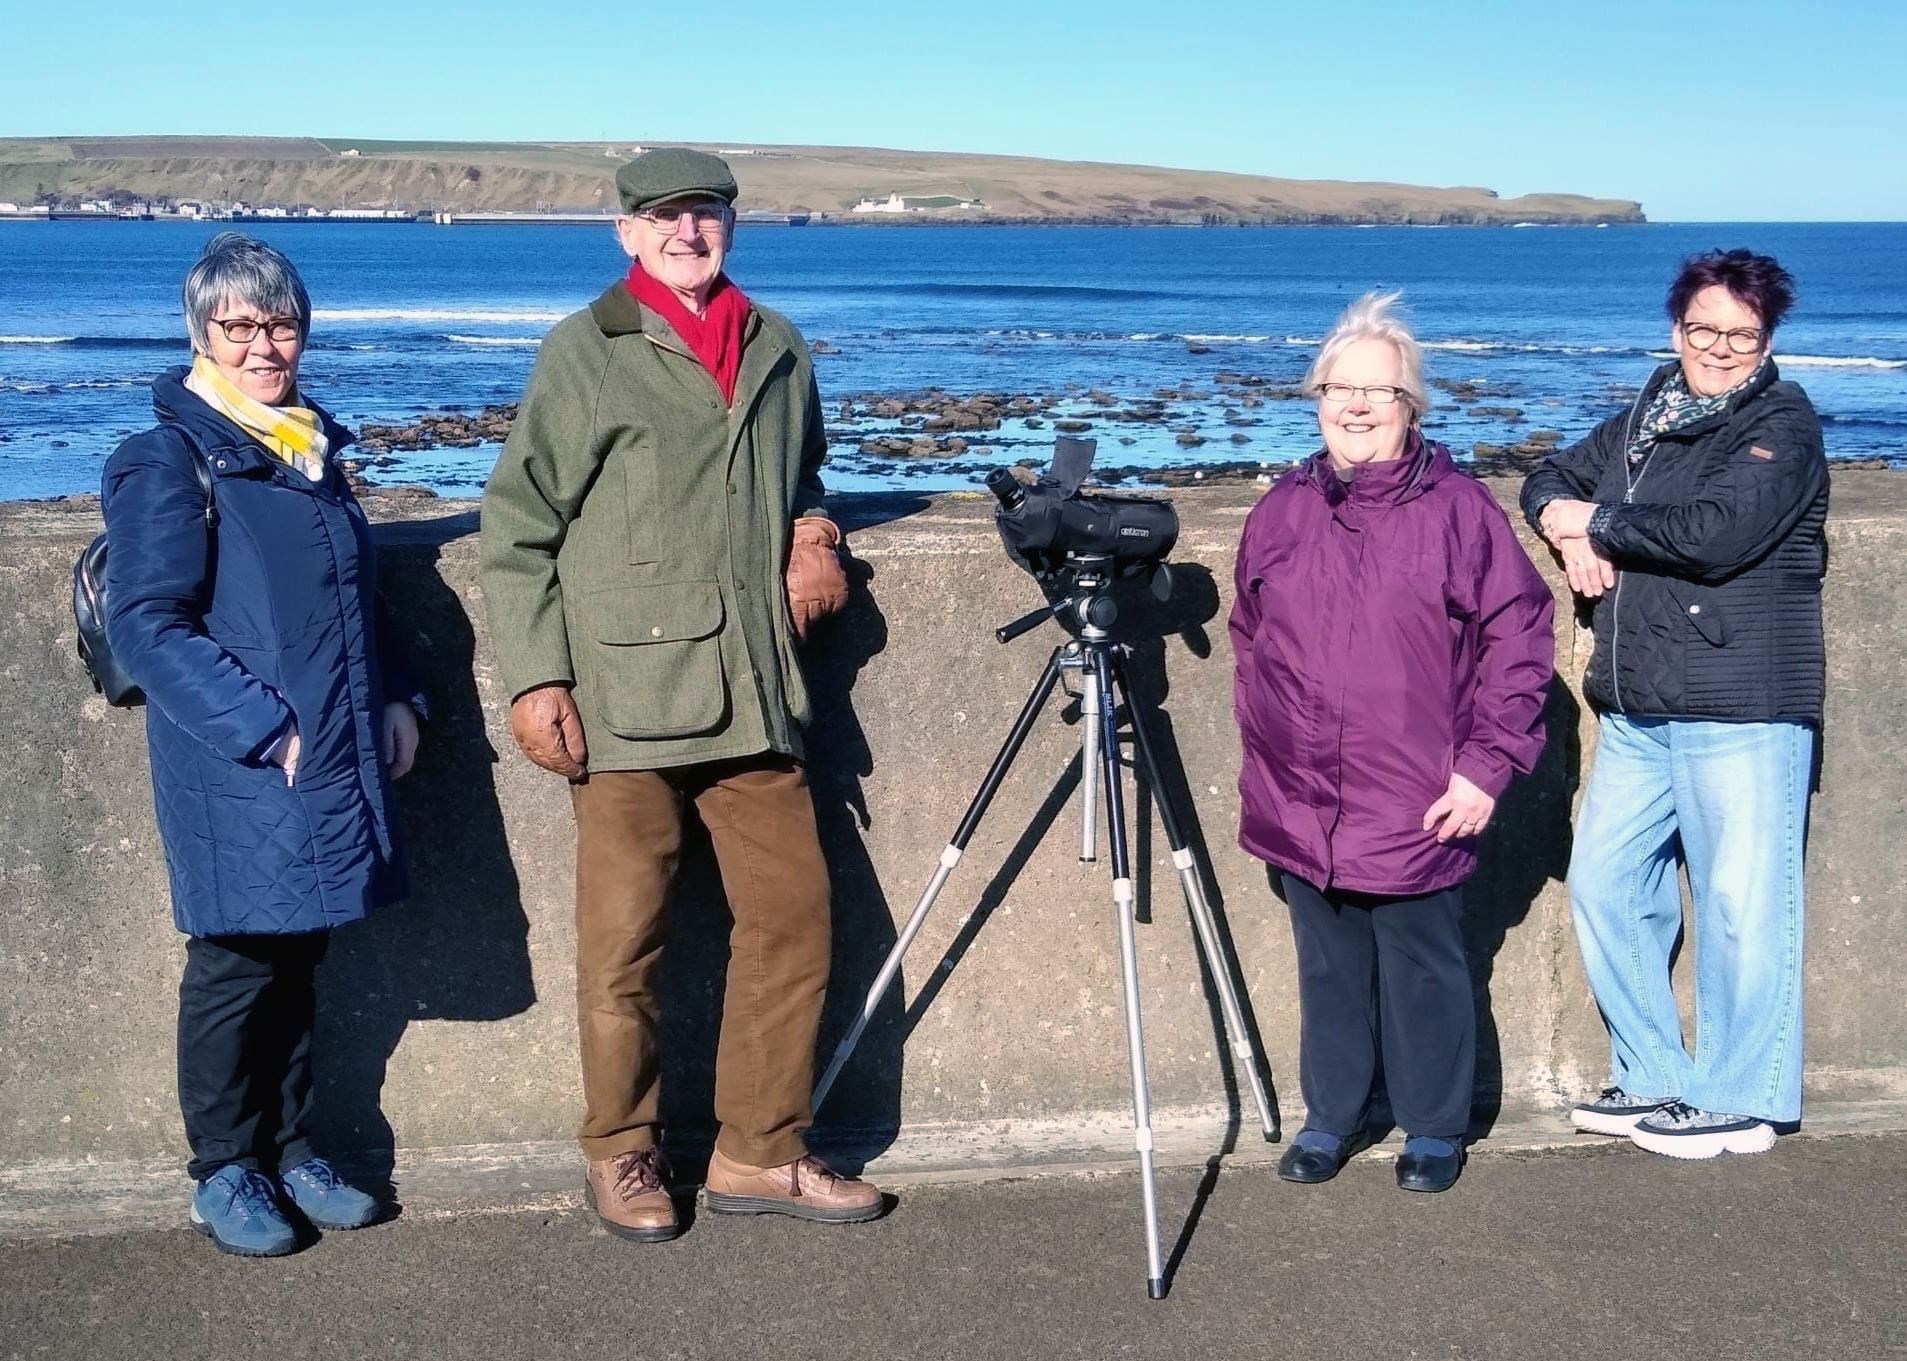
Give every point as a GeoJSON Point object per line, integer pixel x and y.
{"type": "Point", "coordinates": [1155, 1289]}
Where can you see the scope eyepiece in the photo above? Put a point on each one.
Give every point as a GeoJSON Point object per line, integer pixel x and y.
{"type": "Point", "coordinates": [1007, 489]}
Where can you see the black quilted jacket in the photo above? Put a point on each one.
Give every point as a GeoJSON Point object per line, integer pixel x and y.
{"type": "Point", "coordinates": [1718, 538]}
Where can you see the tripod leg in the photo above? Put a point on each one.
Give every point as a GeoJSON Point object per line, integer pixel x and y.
{"type": "Point", "coordinates": [1217, 960]}
{"type": "Point", "coordinates": [1042, 689]}
{"type": "Point", "coordinates": [1093, 736]}
{"type": "Point", "coordinates": [1123, 906]}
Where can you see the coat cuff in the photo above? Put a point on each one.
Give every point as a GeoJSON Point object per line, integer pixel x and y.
{"type": "Point", "coordinates": [266, 753]}
{"type": "Point", "coordinates": [1601, 521]}
{"type": "Point", "coordinates": [1533, 511]}
{"type": "Point", "coordinates": [1485, 770]}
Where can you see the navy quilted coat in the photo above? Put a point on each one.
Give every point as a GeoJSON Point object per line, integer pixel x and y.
{"type": "Point", "coordinates": [233, 631]}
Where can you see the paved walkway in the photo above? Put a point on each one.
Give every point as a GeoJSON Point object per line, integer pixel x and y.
{"type": "Point", "coordinates": [1587, 1253]}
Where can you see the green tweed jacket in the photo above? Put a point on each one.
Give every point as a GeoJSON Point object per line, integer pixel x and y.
{"type": "Point", "coordinates": [636, 536]}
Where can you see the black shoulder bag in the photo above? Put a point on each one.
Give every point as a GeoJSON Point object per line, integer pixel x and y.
{"type": "Point", "coordinates": [89, 608]}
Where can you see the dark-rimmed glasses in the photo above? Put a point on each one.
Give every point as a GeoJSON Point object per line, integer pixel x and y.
{"type": "Point", "coordinates": [244, 330]}
{"type": "Point", "coordinates": [668, 216]}
{"type": "Point", "coordinates": [1377, 394]}
{"type": "Point", "coordinates": [1742, 340]}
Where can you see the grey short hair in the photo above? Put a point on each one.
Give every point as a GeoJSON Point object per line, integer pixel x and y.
{"type": "Point", "coordinates": [1375, 316]}
{"type": "Point", "coordinates": [234, 265]}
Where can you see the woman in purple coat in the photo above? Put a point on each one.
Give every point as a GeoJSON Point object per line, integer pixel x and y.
{"type": "Point", "coordinates": [1394, 648]}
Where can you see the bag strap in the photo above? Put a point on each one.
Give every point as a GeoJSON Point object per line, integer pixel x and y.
{"type": "Point", "coordinates": [205, 484]}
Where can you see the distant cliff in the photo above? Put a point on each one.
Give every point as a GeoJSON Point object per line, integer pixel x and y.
{"type": "Point", "coordinates": [825, 181]}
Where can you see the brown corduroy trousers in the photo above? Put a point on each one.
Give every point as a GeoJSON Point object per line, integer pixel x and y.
{"type": "Point", "coordinates": [760, 817]}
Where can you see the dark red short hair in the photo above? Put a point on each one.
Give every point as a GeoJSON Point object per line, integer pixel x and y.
{"type": "Point", "coordinates": [1757, 281]}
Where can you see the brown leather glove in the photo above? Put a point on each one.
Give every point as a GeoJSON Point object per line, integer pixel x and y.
{"type": "Point", "coordinates": [548, 728]}
{"type": "Point", "coordinates": [817, 583]}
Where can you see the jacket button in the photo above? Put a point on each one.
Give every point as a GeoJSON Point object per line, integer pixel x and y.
{"type": "Point", "coordinates": [733, 490]}
{"type": "Point", "coordinates": [741, 585]}
{"type": "Point", "coordinates": [1694, 609]}
{"type": "Point", "coordinates": [221, 463]}
{"type": "Point", "coordinates": [656, 632]}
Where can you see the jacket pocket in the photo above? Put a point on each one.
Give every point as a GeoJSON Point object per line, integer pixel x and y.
{"type": "Point", "coordinates": [1703, 612]}
{"type": "Point", "coordinates": [658, 655]}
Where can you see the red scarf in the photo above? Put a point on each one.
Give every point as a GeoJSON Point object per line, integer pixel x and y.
{"type": "Point", "coordinates": [715, 337]}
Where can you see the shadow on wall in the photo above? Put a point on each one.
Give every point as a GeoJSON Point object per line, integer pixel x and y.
{"type": "Point", "coordinates": [457, 950]}
{"type": "Point", "coordinates": [1526, 846]}
{"type": "Point", "coordinates": [862, 1115]}
{"type": "Point", "coordinates": [1147, 626]}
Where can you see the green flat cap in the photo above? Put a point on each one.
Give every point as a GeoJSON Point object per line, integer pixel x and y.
{"type": "Point", "coordinates": [673, 172]}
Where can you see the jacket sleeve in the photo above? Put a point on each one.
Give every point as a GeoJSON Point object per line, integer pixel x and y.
{"type": "Point", "coordinates": [1573, 473]}
{"type": "Point", "coordinates": [1516, 656]}
{"type": "Point", "coordinates": [548, 465]}
{"type": "Point", "coordinates": [810, 495]}
{"type": "Point", "coordinates": [1742, 510]}
{"type": "Point", "coordinates": [158, 573]}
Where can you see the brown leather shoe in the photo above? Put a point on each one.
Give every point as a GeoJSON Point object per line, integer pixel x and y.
{"type": "Point", "coordinates": [806, 1188]}
{"type": "Point", "coordinates": [630, 1196]}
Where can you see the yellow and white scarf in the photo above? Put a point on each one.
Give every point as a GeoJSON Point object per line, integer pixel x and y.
{"type": "Point", "coordinates": [293, 434]}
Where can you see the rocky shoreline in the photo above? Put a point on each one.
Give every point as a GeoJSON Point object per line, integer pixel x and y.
{"type": "Point", "coordinates": [932, 429]}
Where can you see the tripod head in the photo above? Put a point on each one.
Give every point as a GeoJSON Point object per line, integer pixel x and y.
{"type": "Point", "coordinates": [1079, 595]}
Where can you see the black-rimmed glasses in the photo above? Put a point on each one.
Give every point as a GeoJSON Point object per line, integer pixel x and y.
{"type": "Point", "coordinates": [244, 330]}
{"type": "Point", "coordinates": [1742, 340]}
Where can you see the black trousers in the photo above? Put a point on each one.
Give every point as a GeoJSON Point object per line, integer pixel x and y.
{"type": "Point", "coordinates": [247, 1008]}
{"type": "Point", "coordinates": [1383, 980]}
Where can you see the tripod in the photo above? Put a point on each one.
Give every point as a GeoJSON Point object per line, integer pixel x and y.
{"type": "Point", "coordinates": [1100, 665]}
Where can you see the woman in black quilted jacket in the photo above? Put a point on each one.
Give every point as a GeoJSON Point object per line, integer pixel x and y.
{"type": "Point", "coordinates": [1692, 524]}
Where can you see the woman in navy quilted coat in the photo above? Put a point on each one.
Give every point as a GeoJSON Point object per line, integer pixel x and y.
{"type": "Point", "coordinates": [1693, 525]}
{"type": "Point", "coordinates": [1394, 651]}
{"type": "Point", "coordinates": [277, 717]}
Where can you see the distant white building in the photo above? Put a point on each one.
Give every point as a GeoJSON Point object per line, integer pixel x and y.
{"type": "Point", "coordinates": [350, 151]}
{"type": "Point", "coordinates": [894, 203]}
{"type": "Point", "coordinates": [9, 209]}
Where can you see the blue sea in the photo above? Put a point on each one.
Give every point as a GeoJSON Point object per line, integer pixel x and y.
{"type": "Point", "coordinates": [1555, 324]}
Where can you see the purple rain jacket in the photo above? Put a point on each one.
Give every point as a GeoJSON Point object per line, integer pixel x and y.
{"type": "Point", "coordinates": [1386, 632]}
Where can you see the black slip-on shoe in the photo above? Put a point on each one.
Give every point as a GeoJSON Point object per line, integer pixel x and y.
{"type": "Point", "coordinates": [1309, 1166]}
{"type": "Point", "coordinates": [1430, 1170]}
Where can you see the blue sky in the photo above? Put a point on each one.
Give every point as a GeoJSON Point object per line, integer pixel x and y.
{"type": "Point", "coordinates": [1749, 110]}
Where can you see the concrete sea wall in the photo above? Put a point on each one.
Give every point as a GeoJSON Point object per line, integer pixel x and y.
{"type": "Point", "coordinates": [446, 1034]}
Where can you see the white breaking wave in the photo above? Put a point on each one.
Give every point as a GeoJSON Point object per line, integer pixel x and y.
{"type": "Point", "coordinates": [1835, 361]}
{"type": "Point", "coordinates": [496, 340]}
{"type": "Point", "coordinates": [37, 340]}
{"type": "Point", "coordinates": [1224, 340]}
{"type": "Point", "coordinates": [428, 314]}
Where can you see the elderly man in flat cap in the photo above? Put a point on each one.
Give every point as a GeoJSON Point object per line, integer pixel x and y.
{"type": "Point", "coordinates": [654, 545]}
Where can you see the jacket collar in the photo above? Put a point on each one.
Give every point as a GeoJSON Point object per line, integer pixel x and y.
{"type": "Point", "coordinates": [178, 406]}
{"type": "Point", "coordinates": [617, 313]}
{"type": "Point", "coordinates": [1425, 463]}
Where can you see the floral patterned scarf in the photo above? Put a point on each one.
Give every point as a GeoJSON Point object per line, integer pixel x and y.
{"type": "Point", "coordinates": [1674, 407]}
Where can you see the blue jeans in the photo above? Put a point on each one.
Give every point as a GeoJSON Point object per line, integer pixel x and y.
{"type": "Point", "coordinates": [1729, 800]}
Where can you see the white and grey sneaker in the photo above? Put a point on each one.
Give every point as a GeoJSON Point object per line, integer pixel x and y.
{"type": "Point", "coordinates": [1682, 1131]}
{"type": "Point", "coordinates": [1614, 1112]}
